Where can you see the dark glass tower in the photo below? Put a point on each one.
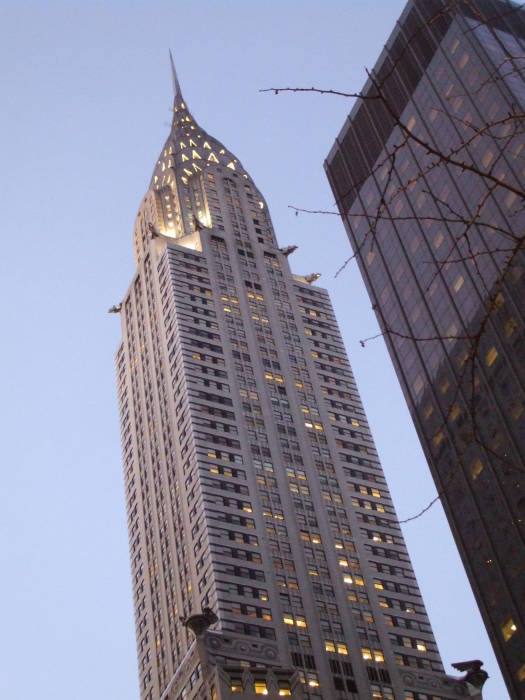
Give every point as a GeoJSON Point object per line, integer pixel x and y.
{"type": "Point", "coordinates": [266, 554]}
{"type": "Point", "coordinates": [428, 173]}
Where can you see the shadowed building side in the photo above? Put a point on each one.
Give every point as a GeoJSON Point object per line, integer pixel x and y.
{"type": "Point", "coordinates": [440, 249]}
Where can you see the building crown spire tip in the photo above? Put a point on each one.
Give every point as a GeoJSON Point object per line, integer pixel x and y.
{"type": "Point", "coordinates": [177, 92]}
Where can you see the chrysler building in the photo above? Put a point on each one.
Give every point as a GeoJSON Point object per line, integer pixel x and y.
{"type": "Point", "coordinates": [266, 555]}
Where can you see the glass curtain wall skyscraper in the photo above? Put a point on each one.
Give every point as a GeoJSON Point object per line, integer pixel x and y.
{"type": "Point", "coordinates": [429, 176]}
{"type": "Point", "coordinates": [259, 517]}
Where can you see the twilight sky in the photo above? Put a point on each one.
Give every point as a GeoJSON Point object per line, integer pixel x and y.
{"type": "Point", "coordinates": [87, 96]}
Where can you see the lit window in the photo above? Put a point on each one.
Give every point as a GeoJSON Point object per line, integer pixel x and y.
{"type": "Point", "coordinates": [421, 646]}
{"type": "Point", "coordinates": [458, 283]}
{"type": "Point", "coordinates": [288, 620]}
{"type": "Point", "coordinates": [476, 468]}
{"type": "Point", "coordinates": [342, 649]}
{"type": "Point", "coordinates": [508, 629]}
{"type": "Point", "coordinates": [260, 688]}
{"type": "Point", "coordinates": [329, 645]}
{"type": "Point", "coordinates": [454, 412]}
{"type": "Point", "coordinates": [378, 656]}
{"type": "Point", "coordinates": [491, 356]}
{"type": "Point", "coordinates": [366, 653]}
{"type": "Point", "coordinates": [510, 327]}
{"type": "Point", "coordinates": [438, 439]}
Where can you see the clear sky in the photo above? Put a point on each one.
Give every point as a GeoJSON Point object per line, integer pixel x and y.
{"type": "Point", "coordinates": [86, 99]}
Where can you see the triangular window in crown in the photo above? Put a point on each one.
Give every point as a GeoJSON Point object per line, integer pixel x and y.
{"type": "Point", "coordinates": [194, 154]}
{"type": "Point", "coordinates": [213, 158]}
{"type": "Point", "coordinates": [207, 145]}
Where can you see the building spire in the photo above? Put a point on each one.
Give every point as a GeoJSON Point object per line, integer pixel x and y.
{"type": "Point", "coordinates": [177, 92]}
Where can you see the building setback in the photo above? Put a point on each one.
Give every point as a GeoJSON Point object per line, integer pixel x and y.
{"type": "Point", "coordinates": [266, 555]}
{"type": "Point", "coordinates": [440, 248]}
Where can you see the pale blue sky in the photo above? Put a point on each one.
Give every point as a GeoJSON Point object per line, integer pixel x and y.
{"type": "Point", "coordinates": [85, 109]}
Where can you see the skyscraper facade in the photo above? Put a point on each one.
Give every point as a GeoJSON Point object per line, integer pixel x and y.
{"type": "Point", "coordinates": [428, 173]}
{"type": "Point", "coordinates": [266, 555]}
